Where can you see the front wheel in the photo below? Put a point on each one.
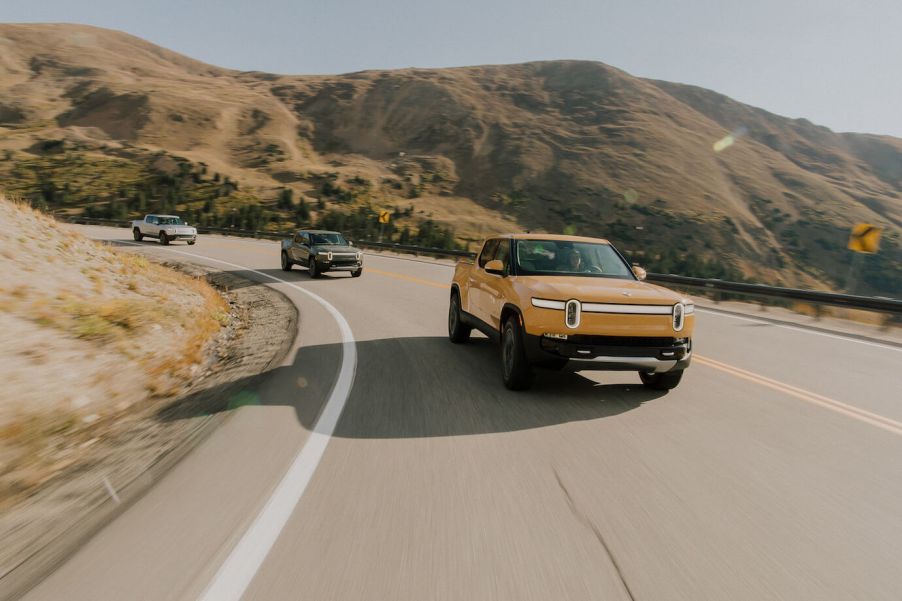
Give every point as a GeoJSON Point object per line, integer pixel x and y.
{"type": "Point", "coordinates": [314, 269]}
{"type": "Point", "coordinates": [358, 273]}
{"type": "Point", "coordinates": [516, 370]}
{"type": "Point", "coordinates": [164, 239]}
{"type": "Point", "coordinates": [457, 331]}
{"type": "Point", "coordinates": [191, 242]}
{"type": "Point", "coordinates": [286, 263]}
{"type": "Point", "coordinates": [137, 234]}
{"type": "Point", "coordinates": [661, 381]}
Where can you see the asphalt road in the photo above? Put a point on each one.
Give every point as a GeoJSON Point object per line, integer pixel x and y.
{"type": "Point", "coordinates": [773, 472]}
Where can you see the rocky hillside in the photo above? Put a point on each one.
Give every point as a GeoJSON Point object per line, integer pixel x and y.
{"type": "Point", "coordinates": [682, 178]}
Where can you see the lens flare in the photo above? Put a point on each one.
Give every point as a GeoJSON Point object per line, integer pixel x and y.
{"type": "Point", "coordinates": [243, 398]}
{"type": "Point", "coordinates": [730, 139]}
{"type": "Point", "coordinates": [724, 143]}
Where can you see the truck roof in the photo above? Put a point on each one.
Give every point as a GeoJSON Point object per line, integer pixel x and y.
{"type": "Point", "coordinates": [562, 237]}
{"type": "Point", "coordinates": [317, 232]}
{"type": "Point", "coordinates": [159, 215]}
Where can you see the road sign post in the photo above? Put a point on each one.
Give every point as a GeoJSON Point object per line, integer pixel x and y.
{"type": "Point", "coordinates": [384, 216]}
{"type": "Point", "coordinates": [864, 239]}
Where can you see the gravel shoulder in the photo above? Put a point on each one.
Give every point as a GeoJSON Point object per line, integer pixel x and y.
{"type": "Point", "coordinates": [125, 457]}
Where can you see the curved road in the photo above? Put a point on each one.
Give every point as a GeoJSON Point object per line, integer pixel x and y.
{"type": "Point", "coordinates": [773, 472]}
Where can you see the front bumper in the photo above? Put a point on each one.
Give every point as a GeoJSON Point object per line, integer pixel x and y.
{"type": "Point", "coordinates": [181, 235]}
{"type": "Point", "coordinates": [339, 266]}
{"type": "Point", "coordinates": [615, 353]}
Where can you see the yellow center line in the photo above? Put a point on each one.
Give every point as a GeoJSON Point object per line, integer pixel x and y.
{"type": "Point", "coordinates": [370, 270]}
{"type": "Point", "coordinates": [409, 278]}
{"type": "Point", "coordinates": [879, 421]}
{"type": "Point", "coordinates": [873, 419]}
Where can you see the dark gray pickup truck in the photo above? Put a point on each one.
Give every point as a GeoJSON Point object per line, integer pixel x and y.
{"type": "Point", "coordinates": [321, 251]}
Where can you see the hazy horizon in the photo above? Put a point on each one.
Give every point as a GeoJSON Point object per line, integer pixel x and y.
{"type": "Point", "coordinates": [830, 63]}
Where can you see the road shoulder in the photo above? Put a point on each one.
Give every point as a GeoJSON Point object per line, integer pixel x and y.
{"type": "Point", "coordinates": [44, 530]}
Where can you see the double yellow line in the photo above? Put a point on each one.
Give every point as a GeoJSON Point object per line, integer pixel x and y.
{"type": "Point", "coordinates": [884, 423]}
{"type": "Point", "coordinates": [408, 278]}
{"type": "Point", "coordinates": [878, 421]}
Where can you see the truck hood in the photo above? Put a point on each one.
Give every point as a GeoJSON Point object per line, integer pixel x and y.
{"type": "Point", "coordinates": [599, 290]}
{"type": "Point", "coordinates": [336, 248]}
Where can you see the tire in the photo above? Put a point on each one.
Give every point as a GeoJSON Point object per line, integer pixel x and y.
{"type": "Point", "coordinates": [358, 273]}
{"type": "Point", "coordinates": [286, 263]}
{"type": "Point", "coordinates": [164, 239]}
{"type": "Point", "coordinates": [663, 381]}
{"type": "Point", "coordinates": [457, 331]}
{"type": "Point", "coordinates": [191, 242]}
{"type": "Point", "coordinates": [137, 234]}
{"type": "Point", "coordinates": [515, 369]}
{"type": "Point", "coordinates": [314, 269]}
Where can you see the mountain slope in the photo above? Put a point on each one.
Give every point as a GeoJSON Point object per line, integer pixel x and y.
{"type": "Point", "coordinates": [564, 145]}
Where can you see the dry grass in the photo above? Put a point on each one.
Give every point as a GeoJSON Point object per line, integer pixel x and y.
{"type": "Point", "coordinates": [100, 333]}
{"type": "Point", "coordinates": [553, 145]}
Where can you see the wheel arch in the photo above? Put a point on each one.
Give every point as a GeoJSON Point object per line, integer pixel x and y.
{"type": "Point", "coordinates": [507, 311]}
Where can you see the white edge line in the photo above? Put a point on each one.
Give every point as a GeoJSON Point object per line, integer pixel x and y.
{"type": "Point", "coordinates": [239, 568]}
{"type": "Point", "coordinates": [799, 329]}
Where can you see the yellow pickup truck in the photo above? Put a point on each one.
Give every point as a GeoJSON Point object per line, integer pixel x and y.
{"type": "Point", "coordinates": [551, 300]}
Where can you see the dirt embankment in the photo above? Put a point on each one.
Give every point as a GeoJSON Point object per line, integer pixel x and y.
{"type": "Point", "coordinates": [90, 333]}
{"type": "Point", "coordinates": [113, 367]}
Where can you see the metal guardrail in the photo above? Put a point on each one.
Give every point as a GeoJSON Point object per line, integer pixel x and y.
{"type": "Point", "coordinates": [833, 299]}
{"type": "Point", "coordinates": [422, 250]}
{"type": "Point", "coordinates": [848, 301]}
{"type": "Point", "coordinates": [200, 229]}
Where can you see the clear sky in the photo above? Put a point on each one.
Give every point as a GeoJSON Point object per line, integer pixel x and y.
{"type": "Point", "coordinates": [835, 62]}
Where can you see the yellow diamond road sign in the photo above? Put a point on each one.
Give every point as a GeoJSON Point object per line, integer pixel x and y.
{"type": "Point", "coordinates": [383, 216]}
{"type": "Point", "coordinates": [865, 238]}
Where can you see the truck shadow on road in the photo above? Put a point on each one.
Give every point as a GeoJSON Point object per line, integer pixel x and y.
{"type": "Point", "coordinates": [419, 387]}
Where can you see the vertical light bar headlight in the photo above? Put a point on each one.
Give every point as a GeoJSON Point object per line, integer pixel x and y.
{"type": "Point", "coordinates": [679, 317]}
{"type": "Point", "coordinates": [572, 313]}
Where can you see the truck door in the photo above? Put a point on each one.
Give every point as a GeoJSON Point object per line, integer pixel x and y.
{"type": "Point", "coordinates": [298, 251]}
{"type": "Point", "coordinates": [477, 302]}
{"type": "Point", "coordinates": [152, 225]}
{"type": "Point", "coordinates": [496, 287]}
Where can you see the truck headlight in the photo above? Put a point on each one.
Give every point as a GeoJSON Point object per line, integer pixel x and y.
{"type": "Point", "coordinates": [359, 255]}
{"type": "Point", "coordinates": [679, 315]}
{"type": "Point", "coordinates": [545, 303]}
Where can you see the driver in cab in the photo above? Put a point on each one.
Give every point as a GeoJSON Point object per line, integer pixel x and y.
{"type": "Point", "coordinates": [574, 262]}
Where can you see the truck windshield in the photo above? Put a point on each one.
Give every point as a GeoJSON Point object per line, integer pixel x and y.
{"type": "Point", "coordinates": [171, 221]}
{"type": "Point", "coordinates": [328, 238]}
{"type": "Point", "coordinates": [563, 257]}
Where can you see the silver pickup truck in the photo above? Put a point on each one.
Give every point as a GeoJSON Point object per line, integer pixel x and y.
{"type": "Point", "coordinates": [321, 251]}
{"type": "Point", "coordinates": [167, 228]}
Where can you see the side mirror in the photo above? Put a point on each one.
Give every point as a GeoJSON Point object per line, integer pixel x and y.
{"type": "Point", "coordinates": [495, 267]}
{"type": "Point", "coordinates": [639, 272]}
